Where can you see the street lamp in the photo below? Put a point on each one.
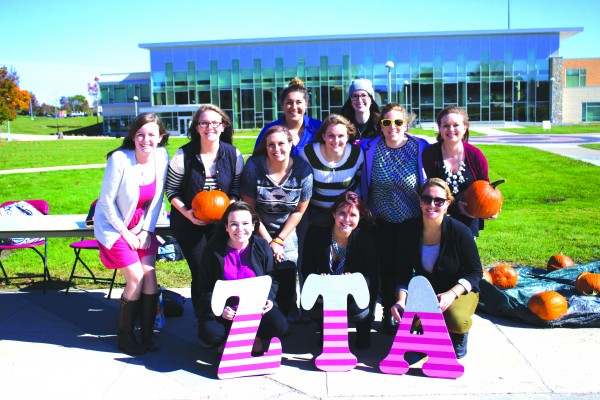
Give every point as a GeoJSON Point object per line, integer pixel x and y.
{"type": "Point", "coordinates": [8, 138]}
{"type": "Point", "coordinates": [135, 100]}
{"type": "Point", "coordinates": [406, 83]}
{"type": "Point", "coordinates": [389, 65]}
{"type": "Point", "coordinates": [552, 80]}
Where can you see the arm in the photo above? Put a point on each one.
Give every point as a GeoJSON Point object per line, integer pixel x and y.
{"type": "Point", "coordinates": [234, 192]}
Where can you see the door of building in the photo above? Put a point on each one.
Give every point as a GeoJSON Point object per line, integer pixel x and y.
{"type": "Point", "coordinates": [184, 124]}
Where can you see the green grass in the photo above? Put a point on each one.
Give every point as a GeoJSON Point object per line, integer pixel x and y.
{"type": "Point", "coordinates": [593, 146]}
{"type": "Point", "coordinates": [548, 205]}
{"type": "Point", "coordinates": [48, 125]}
{"type": "Point", "coordinates": [562, 130]}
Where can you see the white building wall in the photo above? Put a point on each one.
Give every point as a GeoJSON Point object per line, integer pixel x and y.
{"type": "Point", "coordinates": [574, 97]}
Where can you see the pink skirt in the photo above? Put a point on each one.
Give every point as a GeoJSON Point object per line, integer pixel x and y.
{"type": "Point", "coordinates": [121, 256]}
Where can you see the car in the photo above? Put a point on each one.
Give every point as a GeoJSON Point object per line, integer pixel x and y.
{"type": "Point", "coordinates": [77, 114]}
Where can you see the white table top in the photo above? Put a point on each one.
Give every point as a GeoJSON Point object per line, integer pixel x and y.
{"type": "Point", "coordinates": [65, 225]}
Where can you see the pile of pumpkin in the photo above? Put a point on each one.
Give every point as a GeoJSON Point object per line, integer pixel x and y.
{"type": "Point", "coordinates": [548, 305]}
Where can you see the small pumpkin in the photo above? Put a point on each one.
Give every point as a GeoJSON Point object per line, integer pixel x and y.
{"type": "Point", "coordinates": [483, 199]}
{"type": "Point", "coordinates": [588, 284]}
{"type": "Point", "coordinates": [487, 276]}
{"type": "Point", "coordinates": [210, 205]}
{"type": "Point", "coordinates": [548, 305]}
{"type": "Point", "coordinates": [559, 261]}
{"type": "Point", "coordinates": [504, 276]}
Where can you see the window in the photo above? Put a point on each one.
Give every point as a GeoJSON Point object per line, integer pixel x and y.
{"type": "Point", "coordinates": [575, 77]}
{"type": "Point", "coordinates": [590, 112]}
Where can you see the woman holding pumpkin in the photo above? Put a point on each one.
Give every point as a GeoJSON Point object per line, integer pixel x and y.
{"type": "Point", "coordinates": [391, 177]}
{"type": "Point", "coordinates": [234, 252]}
{"type": "Point", "coordinates": [442, 250]}
{"type": "Point", "coordinates": [208, 162]}
{"type": "Point", "coordinates": [456, 161]}
{"type": "Point", "coordinates": [125, 216]}
{"type": "Point", "coordinates": [278, 186]}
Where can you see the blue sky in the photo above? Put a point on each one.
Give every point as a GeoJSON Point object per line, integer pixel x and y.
{"type": "Point", "coordinates": [58, 46]}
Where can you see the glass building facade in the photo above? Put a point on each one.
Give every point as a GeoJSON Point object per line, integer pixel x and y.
{"type": "Point", "coordinates": [495, 75]}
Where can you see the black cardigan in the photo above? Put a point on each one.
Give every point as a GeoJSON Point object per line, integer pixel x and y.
{"type": "Point", "coordinates": [361, 255]}
{"type": "Point", "coordinates": [212, 266]}
{"type": "Point", "coordinates": [458, 257]}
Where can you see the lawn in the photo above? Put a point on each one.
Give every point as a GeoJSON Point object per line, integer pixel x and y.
{"type": "Point", "coordinates": [593, 146]}
{"type": "Point", "coordinates": [49, 125]}
{"type": "Point", "coordinates": [556, 129]}
{"type": "Point", "coordinates": [546, 206]}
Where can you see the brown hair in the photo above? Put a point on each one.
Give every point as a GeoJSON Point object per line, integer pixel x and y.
{"type": "Point", "coordinates": [348, 199]}
{"type": "Point", "coordinates": [226, 136]}
{"type": "Point", "coordinates": [335, 119]}
{"type": "Point", "coordinates": [295, 85]}
{"type": "Point", "coordinates": [136, 125]}
{"type": "Point", "coordinates": [392, 107]}
{"type": "Point", "coordinates": [453, 110]}
{"type": "Point", "coordinates": [437, 182]}
{"type": "Point", "coordinates": [262, 145]}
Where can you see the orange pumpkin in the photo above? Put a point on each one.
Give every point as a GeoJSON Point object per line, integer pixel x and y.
{"type": "Point", "coordinates": [487, 276]}
{"type": "Point", "coordinates": [210, 205]}
{"type": "Point", "coordinates": [588, 284]}
{"type": "Point", "coordinates": [548, 305]}
{"type": "Point", "coordinates": [483, 199]}
{"type": "Point", "coordinates": [504, 276]}
{"type": "Point", "coordinates": [559, 261]}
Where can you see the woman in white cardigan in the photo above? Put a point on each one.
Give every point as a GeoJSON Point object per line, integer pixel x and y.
{"type": "Point", "coordinates": [126, 213]}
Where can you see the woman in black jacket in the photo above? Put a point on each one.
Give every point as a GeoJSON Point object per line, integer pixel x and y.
{"type": "Point", "coordinates": [444, 251]}
{"type": "Point", "coordinates": [345, 248]}
{"type": "Point", "coordinates": [234, 252]}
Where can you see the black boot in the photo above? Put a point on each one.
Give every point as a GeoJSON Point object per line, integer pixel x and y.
{"type": "Point", "coordinates": [363, 334]}
{"type": "Point", "coordinates": [147, 318]}
{"type": "Point", "coordinates": [459, 342]}
{"type": "Point", "coordinates": [125, 338]}
{"type": "Point", "coordinates": [389, 323]}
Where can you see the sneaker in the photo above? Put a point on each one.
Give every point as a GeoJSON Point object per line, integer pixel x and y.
{"type": "Point", "coordinates": [459, 342]}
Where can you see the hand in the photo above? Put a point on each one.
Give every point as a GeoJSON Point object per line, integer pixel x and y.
{"type": "Point", "coordinates": [461, 208]}
{"type": "Point", "coordinates": [267, 307]}
{"type": "Point", "coordinates": [397, 311]}
{"type": "Point", "coordinates": [144, 240]}
{"type": "Point", "coordinates": [278, 252]}
{"type": "Point", "coordinates": [228, 313]}
{"type": "Point", "coordinates": [493, 216]}
{"type": "Point", "coordinates": [189, 214]}
{"type": "Point", "coordinates": [132, 240]}
{"type": "Point", "coordinates": [445, 299]}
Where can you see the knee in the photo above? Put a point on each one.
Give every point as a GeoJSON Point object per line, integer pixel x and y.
{"type": "Point", "coordinates": [457, 323]}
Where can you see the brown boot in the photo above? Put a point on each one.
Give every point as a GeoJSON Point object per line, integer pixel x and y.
{"type": "Point", "coordinates": [147, 318]}
{"type": "Point", "coordinates": [126, 340]}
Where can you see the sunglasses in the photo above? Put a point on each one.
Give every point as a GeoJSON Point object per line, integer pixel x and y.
{"type": "Point", "coordinates": [389, 122]}
{"type": "Point", "coordinates": [437, 201]}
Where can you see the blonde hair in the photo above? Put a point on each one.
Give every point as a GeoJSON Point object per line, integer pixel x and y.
{"type": "Point", "coordinates": [437, 182]}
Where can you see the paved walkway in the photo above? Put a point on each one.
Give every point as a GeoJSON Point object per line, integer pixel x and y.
{"type": "Point", "coordinates": [63, 347]}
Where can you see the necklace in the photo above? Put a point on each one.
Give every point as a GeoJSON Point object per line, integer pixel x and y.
{"type": "Point", "coordinates": [454, 179]}
{"type": "Point", "coordinates": [340, 251]}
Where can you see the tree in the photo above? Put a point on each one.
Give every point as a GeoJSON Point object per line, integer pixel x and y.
{"type": "Point", "coordinates": [12, 98]}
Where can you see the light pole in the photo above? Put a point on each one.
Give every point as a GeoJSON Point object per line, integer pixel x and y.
{"type": "Point", "coordinates": [389, 65]}
{"type": "Point", "coordinates": [8, 138]}
{"type": "Point", "coordinates": [135, 100]}
{"type": "Point", "coordinates": [406, 83]}
{"type": "Point", "coordinates": [30, 107]}
{"type": "Point", "coordinates": [552, 80]}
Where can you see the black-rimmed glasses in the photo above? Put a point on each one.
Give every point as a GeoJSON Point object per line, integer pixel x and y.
{"type": "Point", "coordinates": [361, 96]}
{"type": "Point", "coordinates": [206, 124]}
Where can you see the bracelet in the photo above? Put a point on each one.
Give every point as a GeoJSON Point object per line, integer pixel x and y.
{"type": "Point", "coordinates": [278, 241]}
{"type": "Point", "coordinates": [456, 294]}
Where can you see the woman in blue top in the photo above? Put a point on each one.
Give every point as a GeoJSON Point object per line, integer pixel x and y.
{"type": "Point", "coordinates": [295, 99]}
{"type": "Point", "coordinates": [392, 175]}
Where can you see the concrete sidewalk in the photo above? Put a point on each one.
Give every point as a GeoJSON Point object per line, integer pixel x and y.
{"type": "Point", "coordinates": [55, 346]}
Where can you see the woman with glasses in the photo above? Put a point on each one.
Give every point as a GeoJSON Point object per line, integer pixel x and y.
{"type": "Point", "coordinates": [391, 177]}
{"type": "Point", "coordinates": [361, 109]}
{"type": "Point", "coordinates": [442, 250]}
{"type": "Point", "coordinates": [336, 165]}
{"type": "Point", "coordinates": [209, 161]}
{"type": "Point", "coordinates": [294, 100]}
{"type": "Point", "coordinates": [278, 186]}
{"type": "Point", "coordinates": [456, 161]}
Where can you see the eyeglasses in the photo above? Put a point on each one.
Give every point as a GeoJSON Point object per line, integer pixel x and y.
{"type": "Point", "coordinates": [437, 201]}
{"type": "Point", "coordinates": [206, 124]}
{"type": "Point", "coordinates": [389, 122]}
{"type": "Point", "coordinates": [361, 96]}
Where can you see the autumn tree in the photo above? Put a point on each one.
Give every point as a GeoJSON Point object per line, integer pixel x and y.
{"type": "Point", "coordinates": [12, 98]}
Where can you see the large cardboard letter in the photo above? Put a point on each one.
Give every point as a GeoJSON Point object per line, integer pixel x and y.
{"type": "Point", "coordinates": [435, 340]}
{"type": "Point", "coordinates": [237, 359]}
{"type": "Point", "coordinates": [335, 289]}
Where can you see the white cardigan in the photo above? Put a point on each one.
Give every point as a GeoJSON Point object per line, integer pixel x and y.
{"type": "Point", "coordinates": [120, 193]}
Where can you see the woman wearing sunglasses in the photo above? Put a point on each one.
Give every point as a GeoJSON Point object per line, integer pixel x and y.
{"type": "Point", "coordinates": [361, 109]}
{"type": "Point", "coordinates": [207, 162]}
{"type": "Point", "coordinates": [442, 250]}
{"type": "Point", "coordinates": [391, 177]}
{"type": "Point", "coordinates": [456, 161]}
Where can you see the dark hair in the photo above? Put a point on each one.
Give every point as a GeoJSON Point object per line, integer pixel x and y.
{"type": "Point", "coordinates": [348, 199]}
{"type": "Point", "coordinates": [392, 107]}
{"type": "Point", "coordinates": [453, 110]}
{"type": "Point", "coordinates": [295, 85]}
{"type": "Point", "coordinates": [335, 119]}
{"type": "Point", "coordinates": [349, 112]}
{"type": "Point", "coordinates": [136, 125]}
{"type": "Point", "coordinates": [262, 145]}
{"type": "Point", "coordinates": [226, 136]}
{"type": "Point", "coordinates": [221, 236]}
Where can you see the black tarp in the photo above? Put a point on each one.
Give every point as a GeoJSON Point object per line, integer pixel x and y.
{"type": "Point", "coordinates": [584, 311]}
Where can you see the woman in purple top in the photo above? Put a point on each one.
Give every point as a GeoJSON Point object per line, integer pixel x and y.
{"type": "Point", "coordinates": [457, 162]}
{"type": "Point", "coordinates": [234, 252]}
